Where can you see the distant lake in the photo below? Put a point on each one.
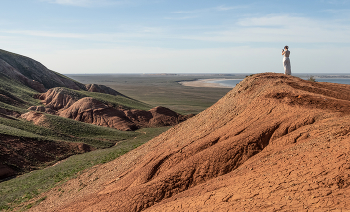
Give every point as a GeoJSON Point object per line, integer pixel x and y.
{"type": "Point", "coordinates": [233, 82]}
{"type": "Point", "coordinates": [229, 82]}
{"type": "Point", "coordinates": [334, 80]}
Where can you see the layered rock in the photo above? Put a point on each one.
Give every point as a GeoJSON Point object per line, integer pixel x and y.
{"type": "Point", "coordinates": [92, 111]}
{"type": "Point", "coordinates": [58, 101]}
{"type": "Point", "coordinates": [275, 142]}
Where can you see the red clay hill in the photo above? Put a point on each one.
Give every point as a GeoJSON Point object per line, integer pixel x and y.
{"type": "Point", "coordinates": [89, 110]}
{"type": "Point", "coordinates": [273, 143]}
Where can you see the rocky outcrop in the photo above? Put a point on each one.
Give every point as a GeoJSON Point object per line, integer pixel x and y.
{"type": "Point", "coordinates": [57, 99]}
{"type": "Point", "coordinates": [156, 117]}
{"type": "Point", "coordinates": [274, 142]}
{"type": "Point", "coordinates": [35, 117]}
{"type": "Point", "coordinates": [43, 109]}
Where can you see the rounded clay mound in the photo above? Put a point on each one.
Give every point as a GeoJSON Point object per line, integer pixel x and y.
{"type": "Point", "coordinates": [90, 110]}
{"type": "Point", "coordinates": [274, 142]}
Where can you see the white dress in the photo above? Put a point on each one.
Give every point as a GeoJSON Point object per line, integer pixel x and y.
{"type": "Point", "coordinates": [286, 63]}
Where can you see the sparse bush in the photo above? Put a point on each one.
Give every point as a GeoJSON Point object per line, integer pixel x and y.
{"type": "Point", "coordinates": [311, 79]}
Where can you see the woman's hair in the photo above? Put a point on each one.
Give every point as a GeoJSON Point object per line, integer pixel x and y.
{"type": "Point", "coordinates": [286, 47]}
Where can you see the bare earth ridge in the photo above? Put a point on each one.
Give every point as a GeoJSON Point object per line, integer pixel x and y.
{"type": "Point", "coordinates": [273, 143]}
{"type": "Point", "coordinates": [90, 110]}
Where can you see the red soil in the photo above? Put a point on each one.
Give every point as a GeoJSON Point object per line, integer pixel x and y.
{"type": "Point", "coordinates": [92, 111]}
{"type": "Point", "coordinates": [55, 99]}
{"type": "Point", "coordinates": [26, 154]}
{"type": "Point", "coordinates": [13, 73]}
{"type": "Point", "coordinates": [274, 143]}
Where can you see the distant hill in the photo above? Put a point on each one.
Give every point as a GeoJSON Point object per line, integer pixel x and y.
{"type": "Point", "coordinates": [33, 74]}
{"type": "Point", "coordinates": [273, 143]}
{"type": "Point", "coordinates": [32, 133]}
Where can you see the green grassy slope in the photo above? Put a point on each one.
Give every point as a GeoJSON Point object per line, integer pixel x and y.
{"type": "Point", "coordinates": [21, 94]}
{"type": "Point", "coordinates": [21, 189]}
{"type": "Point", "coordinates": [110, 100]}
{"type": "Point", "coordinates": [34, 70]}
{"type": "Point", "coordinates": [15, 96]}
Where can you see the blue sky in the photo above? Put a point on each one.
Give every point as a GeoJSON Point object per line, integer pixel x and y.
{"type": "Point", "coordinates": [177, 36]}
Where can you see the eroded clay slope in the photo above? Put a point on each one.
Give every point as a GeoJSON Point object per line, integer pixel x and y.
{"type": "Point", "coordinates": [274, 142]}
{"type": "Point", "coordinates": [27, 154]}
{"type": "Point", "coordinates": [59, 101]}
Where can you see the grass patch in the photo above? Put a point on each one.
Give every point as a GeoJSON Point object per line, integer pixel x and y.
{"type": "Point", "coordinates": [64, 129]}
{"type": "Point", "coordinates": [18, 91]}
{"type": "Point", "coordinates": [116, 101]}
{"type": "Point", "coordinates": [23, 188]}
{"type": "Point", "coordinates": [110, 100]}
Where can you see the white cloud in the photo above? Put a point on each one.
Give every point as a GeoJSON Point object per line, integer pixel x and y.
{"type": "Point", "coordinates": [226, 8]}
{"type": "Point", "coordinates": [45, 34]}
{"type": "Point", "coordinates": [86, 3]}
{"type": "Point", "coordinates": [264, 29]}
{"type": "Point", "coordinates": [218, 8]}
{"type": "Point", "coordinates": [181, 17]}
{"type": "Point", "coordinates": [279, 28]}
{"type": "Point", "coordinates": [338, 1]}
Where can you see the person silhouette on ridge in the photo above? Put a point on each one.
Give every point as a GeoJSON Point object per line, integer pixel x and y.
{"type": "Point", "coordinates": [286, 61]}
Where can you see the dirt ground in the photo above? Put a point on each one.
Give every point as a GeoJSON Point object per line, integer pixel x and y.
{"type": "Point", "coordinates": [273, 143]}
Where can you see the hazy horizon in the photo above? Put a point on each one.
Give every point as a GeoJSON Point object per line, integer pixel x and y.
{"type": "Point", "coordinates": [163, 36]}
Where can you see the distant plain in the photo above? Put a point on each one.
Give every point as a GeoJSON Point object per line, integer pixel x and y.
{"type": "Point", "coordinates": [163, 90]}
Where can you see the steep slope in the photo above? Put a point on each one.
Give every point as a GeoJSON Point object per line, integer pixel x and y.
{"type": "Point", "coordinates": [275, 142]}
{"type": "Point", "coordinates": [32, 73]}
{"type": "Point", "coordinates": [26, 154]}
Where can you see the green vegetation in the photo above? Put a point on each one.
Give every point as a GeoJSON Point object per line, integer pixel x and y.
{"type": "Point", "coordinates": [110, 100]}
{"type": "Point", "coordinates": [16, 94]}
{"type": "Point", "coordinates": [110, 143]}
{"type": "Point", "coordinates": [63, 129]}
{"type": "Point", "coordinates": [311, 79]}
{"type": "Point", "coordinates": [116, 101]}
{"type": "Point", "coordinates": [158, 90]}
{"type": "Point", "coordinates": [23, 188]}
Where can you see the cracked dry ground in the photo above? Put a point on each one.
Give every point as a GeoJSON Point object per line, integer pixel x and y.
{"type": "Point", "coordinates": [273, 143]}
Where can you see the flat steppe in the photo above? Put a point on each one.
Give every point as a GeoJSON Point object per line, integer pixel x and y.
{"type": "Point", "coordinates": [164, 90]}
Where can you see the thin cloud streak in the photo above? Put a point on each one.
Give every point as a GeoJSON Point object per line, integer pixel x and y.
{"type": "Point", "coordinates": [276, 28]}
{"type": "Point", "coordinates": [218, 8]}
{"type": "Point", "coordinates": [86, 3]}
{"type": "Point", "coordinates": [265, 29]}
{"type": "Point", "coordinates": [181, 18]}
{"type": "Point", "coordinates": [44, 34]}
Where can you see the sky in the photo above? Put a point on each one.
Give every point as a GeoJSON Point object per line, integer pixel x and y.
{"type": "Point", "coordinates": [178, 36]}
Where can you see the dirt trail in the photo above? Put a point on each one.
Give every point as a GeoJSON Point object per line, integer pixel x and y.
{"type": "Point", "coordinates": [273, 143]}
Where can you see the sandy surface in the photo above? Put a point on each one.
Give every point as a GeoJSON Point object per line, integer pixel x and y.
{"type": "Point", "coordinates": [205, 83]}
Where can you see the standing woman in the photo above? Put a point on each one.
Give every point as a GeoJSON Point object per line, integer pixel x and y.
{"type": "Point", "coordinates": [286, 61]}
